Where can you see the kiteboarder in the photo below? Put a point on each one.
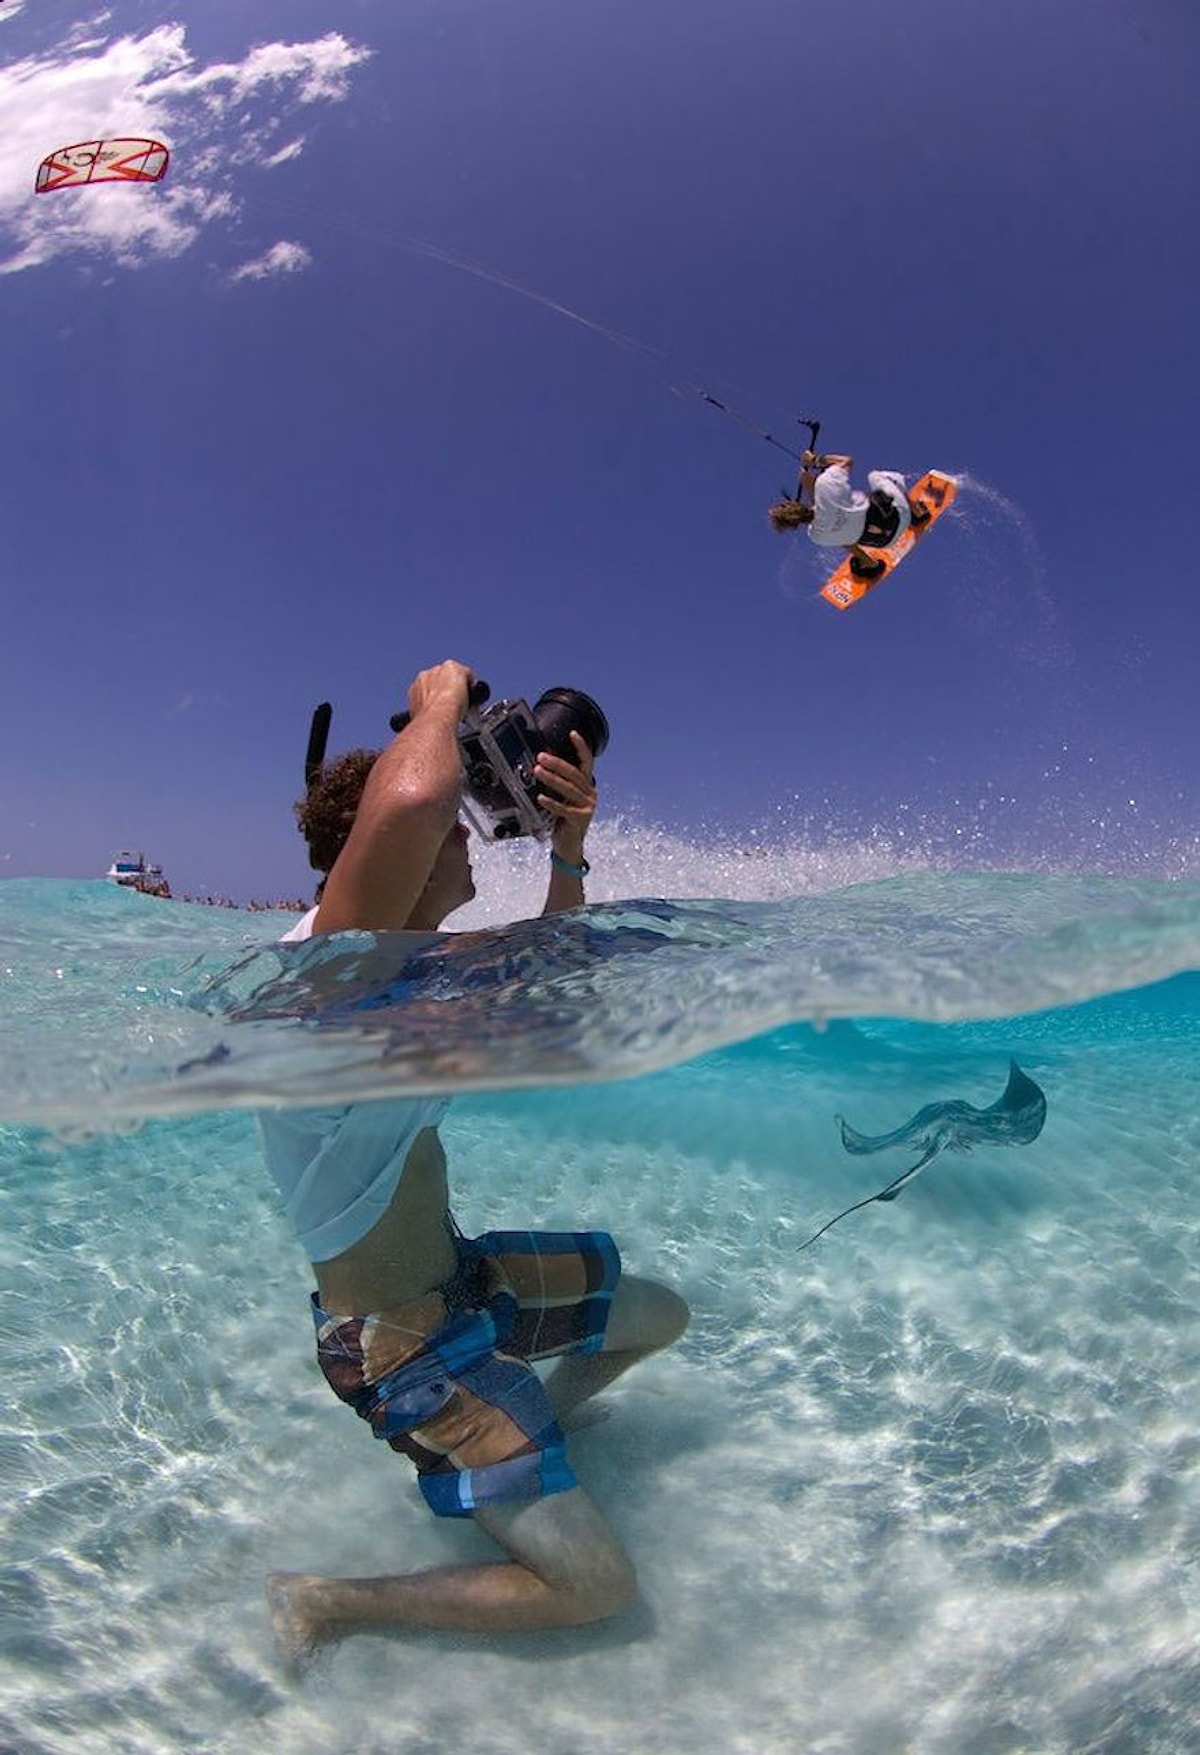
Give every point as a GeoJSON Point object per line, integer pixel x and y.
{"type": "Point", "coordinates": [841, 516]}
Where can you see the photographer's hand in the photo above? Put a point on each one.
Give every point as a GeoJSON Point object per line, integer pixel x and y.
{"type": "Point", "coordinates": [572, 802]}
{"type": "Point", "coordinates": [444, 687]}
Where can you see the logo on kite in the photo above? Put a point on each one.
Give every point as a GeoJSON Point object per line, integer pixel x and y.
{"type": "Point", "coordinates": [102, 161]}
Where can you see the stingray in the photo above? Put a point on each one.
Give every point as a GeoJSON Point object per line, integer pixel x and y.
{"type": "Point", "coordinates": [1014, 1119]}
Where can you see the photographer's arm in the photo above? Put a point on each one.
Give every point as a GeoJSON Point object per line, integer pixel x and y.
{"type": "Point", "coordinates": [408, 808]}
{"type": "Point", "coordinates": [573, 803]}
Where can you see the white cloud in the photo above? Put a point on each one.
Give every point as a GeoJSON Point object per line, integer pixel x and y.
{"type": "Point", "coordinates": [281, 258]}
{"type": "Point", "coordinates": [293, 149]}
{"type": "Point", "coordinates": [217, 120]}
{"type": "Point", "coordinates": [188, 702]}
{"type": "Point", "coordinates": [319, 70]}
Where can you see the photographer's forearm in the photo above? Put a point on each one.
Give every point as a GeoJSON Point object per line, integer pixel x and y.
{"type": "Point", "coordinates": [418, 775]}
{"type": "Point", "coordinates": [570, 797]}
{"type": "Point", "coordinates": [408, 808]}
{"type": "Point", "coordinates": [566, 887]}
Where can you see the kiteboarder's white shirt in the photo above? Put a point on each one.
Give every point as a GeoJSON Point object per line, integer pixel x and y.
{"type": "Point", "coordinates": [840, 510]}
{"type": "Point", "coordinates": [337, 1168]}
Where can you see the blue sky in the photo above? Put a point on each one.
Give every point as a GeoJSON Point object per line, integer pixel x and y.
{"type": "Point", "coordinates": [261, 451]}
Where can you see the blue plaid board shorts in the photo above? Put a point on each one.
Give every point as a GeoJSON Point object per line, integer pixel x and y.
{"type": "Point", "coordinates": [448, 1379]}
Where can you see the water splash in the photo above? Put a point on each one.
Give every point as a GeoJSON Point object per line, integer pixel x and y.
{"type": "Point", "coordinates": [1007, 578]}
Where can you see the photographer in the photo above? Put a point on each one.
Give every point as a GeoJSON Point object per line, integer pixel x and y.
{"type": "Point", "coordinates": [427, 1334]}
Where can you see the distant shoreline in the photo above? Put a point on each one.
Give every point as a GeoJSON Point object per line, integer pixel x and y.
{"type": "Point", "coordinates": [161, 891]}
{"type": "Point", "coordinates": [293, 906]}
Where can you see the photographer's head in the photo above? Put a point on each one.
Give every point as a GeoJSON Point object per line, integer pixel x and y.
{"type": "Point", "coordinates": [326, 813]}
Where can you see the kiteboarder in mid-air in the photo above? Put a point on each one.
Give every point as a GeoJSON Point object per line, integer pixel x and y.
{"type": "Point", "coordinates": [841, 516]}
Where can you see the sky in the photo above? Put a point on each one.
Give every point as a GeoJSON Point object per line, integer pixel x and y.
{"type": "Point", "coordinates": [302, 419]}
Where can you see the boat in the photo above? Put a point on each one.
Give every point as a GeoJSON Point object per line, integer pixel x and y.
{"type": "Point", "coordinates": [133, 871]}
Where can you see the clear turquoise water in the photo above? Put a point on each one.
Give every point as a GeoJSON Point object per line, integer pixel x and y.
{"type": "Point", "coordinates": [933, 1485]}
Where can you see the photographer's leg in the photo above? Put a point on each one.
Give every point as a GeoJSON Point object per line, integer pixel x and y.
{"type": "Point", "coordinates": [644, 1318]}
{"type": "Point", "coordinates": [565, 1568]}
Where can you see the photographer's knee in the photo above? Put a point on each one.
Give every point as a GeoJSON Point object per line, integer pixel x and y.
{"type": "Point", "coordinates": [645, 1316]}
{"type": "Point", "coordinates": [671, 1314]}
{"type": "Point", "coordinates": [610, 1589]}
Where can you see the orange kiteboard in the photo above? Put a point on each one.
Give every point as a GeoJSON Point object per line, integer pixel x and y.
{"type": "Point", "coordinates": [934, 492]}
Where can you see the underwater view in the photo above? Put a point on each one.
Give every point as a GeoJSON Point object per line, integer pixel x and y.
{"type": "Point", "coordinates": [600, 861]}
{"type": "Point", "coordinates": [932, 1481]}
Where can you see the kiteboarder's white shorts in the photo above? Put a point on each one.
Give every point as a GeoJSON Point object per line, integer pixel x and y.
{"type": "Point", "coordinates": [840, 511]}
{"type": "Point", "coordinates": [891, 486]}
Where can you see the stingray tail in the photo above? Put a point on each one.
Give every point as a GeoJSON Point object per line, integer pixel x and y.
{"type": "Point", "coordinates": [885, 1194]}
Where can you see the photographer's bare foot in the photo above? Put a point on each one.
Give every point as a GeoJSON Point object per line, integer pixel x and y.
{"type": "Point", "coordinates": [299, 1630]}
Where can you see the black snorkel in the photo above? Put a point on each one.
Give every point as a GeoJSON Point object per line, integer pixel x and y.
{"type": "Point", "coordinates": [318, 739]}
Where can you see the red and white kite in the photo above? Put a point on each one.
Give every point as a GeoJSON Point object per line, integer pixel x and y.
{"type": "Point", "coordinates": [102, 161]}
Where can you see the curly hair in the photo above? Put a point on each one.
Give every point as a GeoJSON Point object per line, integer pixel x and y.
{"type": "Point", "coordinates": [789, 515]}
{"type": "Point", "coordinates": [325, 815]}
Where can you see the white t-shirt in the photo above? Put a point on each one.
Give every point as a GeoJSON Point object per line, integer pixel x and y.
{"type": "Point", "coordinates": [337, 1168]}
{"type": "Point", "coordinates": [841, 511]}
{"type": "Point", "coordinates": [303, 928]}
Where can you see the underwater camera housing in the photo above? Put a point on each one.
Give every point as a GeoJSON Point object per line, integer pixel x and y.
{"type": "Point", "coordinates": [499, 746]}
